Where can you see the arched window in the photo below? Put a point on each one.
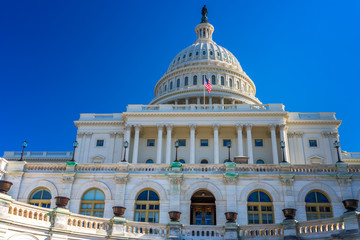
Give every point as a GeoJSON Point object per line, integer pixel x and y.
{"type": "Point", "coordinates": [186, 82]}
{"type": "Point", "coordinates": [195, 80]}
{"type": "Point", "coordinates": [222, 81]}
{"type": "Point", "coordinates": [149, 161]}
{"type": "Point", "coordinates": [230, 82]}
{"type": "Point", "coordinates": [260, 208]}
{"type": "Point", "coordinates": [182, 161]}
{"type": "Point", "coordinates": [147, 207]}
{"type": "Point", "coordinates": [93, 203]}
{"type": "Point", "coordinates": [178, 83]}
{"type": "Point", "coordinates": [213, 80]}
{"type": "Point", "coordinates": [40, 197]}
{"type": "Point", "coordinates": [171, 85]}
{"type": "Point", "coordinates": [204, 161]}
{"type": "Point", "coordinates": [317, 206]}
{"type": "Point", "coordinates": [260, 161]}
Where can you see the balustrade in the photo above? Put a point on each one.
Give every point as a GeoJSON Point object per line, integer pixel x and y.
{"type": "Point", "coordinates": [29, 214]}
{"type": "Point", "coordinates": [263, 230]}
{"type": "Point", "coordinates": [321, 226]}
{"type": "Point", "coordinates": [211, 232]}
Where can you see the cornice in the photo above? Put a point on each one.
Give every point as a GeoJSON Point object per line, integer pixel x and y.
{"type": "Point", "coordinates": [312, 122]}
{"type": "Point", "coordinates": [183, 114]}
{"type": "Point", "coordinates": [97, 123]}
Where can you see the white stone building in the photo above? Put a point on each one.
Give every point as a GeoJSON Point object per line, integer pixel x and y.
{"type": "Point", "coordinates": [304, 175]}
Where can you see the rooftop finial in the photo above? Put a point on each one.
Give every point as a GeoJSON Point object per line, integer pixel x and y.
{"type": "Point", "coordinates": [204, 12]}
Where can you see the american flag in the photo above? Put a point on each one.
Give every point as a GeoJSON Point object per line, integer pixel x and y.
{"type": "Point", "coordinates": [208, 85]}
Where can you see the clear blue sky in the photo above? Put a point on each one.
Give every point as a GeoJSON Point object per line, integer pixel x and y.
{"type": "Point", "coordinates": [62, 58]}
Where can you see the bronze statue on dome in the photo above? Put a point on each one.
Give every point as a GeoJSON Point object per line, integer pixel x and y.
{"type": "Point", "coordinates": [204, 13]}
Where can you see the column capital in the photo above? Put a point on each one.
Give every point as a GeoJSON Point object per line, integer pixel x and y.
{"type": "Point", "coordinates": [330, 134]}
{"type": "Point", "coordinates": [239, 126]}
{"type": "Point", "coordinates": [272, 127]}
{"type": "Point", "coordinates": [283, 127]}
{"type": "Point", "coordinates": [137, 127]}
{"type": "Point", "coordinates": [216, 126]}
{"type": "Point", "coordinates": [248, 126]}
{"type": "Point", "coordinates": [160, 126]}
{"type": "Point", "coordinates": [127, 127]}
{"type": "Point", "coordinates": [291, 134]}
{"type": "Point", "coordinates": [169, 127]}
{"type": "Point", "coordinates": [192, 126]}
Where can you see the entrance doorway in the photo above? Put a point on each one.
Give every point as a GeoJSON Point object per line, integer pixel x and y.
{"type": "Point", "coordinates": [203, 209]}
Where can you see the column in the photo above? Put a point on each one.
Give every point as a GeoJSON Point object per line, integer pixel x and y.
{"type": "Point", "coordinates": [187, 101]}
{"type": "Point", "coordinates": [274, 144]}
{"type": "Point", "coordinates": [127, 138]}
{"type": "Point", "coordinates": [192, 143]}
{"type": "Point", "coordinates": [249, 143]}
{"type": "Point", "coordinates": [222, 100]}
{"type": "Point", "coordinates": [136, 144]}
{"type": "Point", "coordinates": [80, 150]}
{"type": "Point", "coordinates": [176, 102]}
{"type": "Point", "coordinates": [159, 143]}
{"type": "Point", "coordinates": [168, 143]}
{"type": "Point", "coordinates": [87, 147]}
{"type": "Point", "coordinates": [198, 100]}
{"type": "Point", "coordinates": [240, 140]}
{"type": "Point", "coordinates": [110, 153]}
{"type": "Point", "coordinates": [283, 137]}
{"type": "Point", "coordinates": [233, 101]}
{"type": "Point", "coordinates": [216, 143]}
{"type": "Point", "coordinates": [210, 100]}
{"type": "Point", "coordinates": [301, 154]}
{"type": "Point", "coordinates": [120, 187]}
{"type": "Point", "coordinates": [118, 148]}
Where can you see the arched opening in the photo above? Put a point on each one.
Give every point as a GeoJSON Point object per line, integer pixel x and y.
{"type": "Point", "coordinates": [203, 209]}
{"type": "Point", "coordinates": [317, 206]}
{"type": "Point", "coordinates": [204, 161]}
{"type": "Point", "coordinates": [260, 161]}
{"type": "Point", "coordinates": [260, 208]}
{"type": "Point", "coordinates": [40, 197]}
{"type": "Point", "coordinates": [182, 161]}
{"type": "Point", "coordinates": [93, 203]}
{"type": "Point", "coordinates": [147, 206]}
{"type": "Point", "coordinates": [149, 161]}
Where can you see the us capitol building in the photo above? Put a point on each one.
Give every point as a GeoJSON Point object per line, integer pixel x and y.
{"type": "Point", "coordinates": [189, 165]}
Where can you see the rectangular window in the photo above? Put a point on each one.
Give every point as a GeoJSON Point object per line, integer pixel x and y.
{"type": "Point", "coordinates": [204, 142]}
{"type": "Point", "coordinates": [313, 143]}
{"type": "Point", "coordinates": [182, 142]}
{"type": "Point", "coordinates": [226, 142]}
{"type": "Point", "coordinates": [186, 81]}
{"type": "Point", "coordinates": [151, 143]}
{"type": "Point", "coordinates": [259, 143]}
{"type": "Point", "coordinates": [99, 143]}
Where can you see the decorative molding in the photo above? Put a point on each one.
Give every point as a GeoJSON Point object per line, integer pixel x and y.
{"type": "Point", "coordinates": [68, 178]}
{"type": "Point", "coordinates": [330, 134]}
{"type": "Point", "coordinates": [239, 126]}
{"type": "Point", "coordinates": [287, 180]}
{"type": "Point", "coordinates": [248, 126]}
{"type": "Point", "coordinates": [216, 126]}
{"type": "Point", "coordinates": [192, 126]}
{"type": "Point", "coordinates": [120, 179]}
{"type": "Point", "coordinates": [176, 180]}
{"type": "Point", "coordinates": [344, 179]}
{"type": "Point", "coordinates": [230, 180]}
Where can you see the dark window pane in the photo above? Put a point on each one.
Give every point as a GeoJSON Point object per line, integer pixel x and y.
{"type": "Point", "coordinates": [310, 197]}
{"type": "Point", "coordinates": [37, 195]}
{"type": "Point", "coordinates": [46, 195]}
{"type": "Point", "coordinates": [143, 195]}
{"type": "Point", "coordinates": [153, 196]}
{"type": "Point", "coordinates": [254, 197]}
{"type": "Point", "coordinates": [264, 197]}
{"type": "Point", "coordinates": [321, 198]}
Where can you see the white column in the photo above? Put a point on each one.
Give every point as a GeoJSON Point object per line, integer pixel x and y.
{"type": "Point", "coordinates": [176, 102]}
{"type": "Point", "coordinates": [249, 143]}
{"type": "Point", "coordinates": [159, 144]}
{"type": "Point", "coordinates": [87, 147]}
{"type": "Point", "coordinates": [233, 101]}
{"type": "Point", "coordinates": [198, 100]}
{"type": "Point", "coordinates": [210, 100]}
{"type": "Point", "coordinates": [192, 143]}
{"type": "Point", "coordinates": [222, 100]}
{"type": "Point", "coordinates": [283, 137]}
{"type": "Point", "coordinates": [274, 144]}
{"type": "Point", "coordinates": [187, 101]}
{"type": "Point", "coordinates": [136, 144]}
{"type": "Point", "coordinates": [240, 140]}
{"type": "Point", "coordinates": [127, 138]}
{"type": "Point", "coordinates": [118, 148]}
{"type": "Point", "coordinates": [168, 143]}
{"type": "Point", "coordinates": [216, 143]}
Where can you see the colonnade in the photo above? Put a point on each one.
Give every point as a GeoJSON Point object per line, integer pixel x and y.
{"type": "Point", "coordinates": [240, 146]}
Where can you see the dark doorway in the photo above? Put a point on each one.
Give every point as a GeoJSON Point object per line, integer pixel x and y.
{"type": "Point", "coordinates": [203, 209]}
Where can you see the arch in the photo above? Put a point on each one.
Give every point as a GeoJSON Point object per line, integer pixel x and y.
{"type": "Point", "coordinates": [182, 161]}
{"type": "Point", "coordinates": [149, 161]}
{"type": "Point", "coordinates": [330, 193]}
{"type": "Point", "coordinates": [204, 161]}
{"type": "Point", "coordinates": [40, 197]}
{"type": "Point", "coordinates": [206, 186]}
{"type": "Point", "coordinates": [22, 236]}
{"type": "Point", "coordinates": [148, 184]}
{"type": "Point", "coordinates": [260, 161]}
{"type": "Point", "coordinates": [94, 184]}
{"type": "Point", "coordinates": [40, 184]}
{"type": "Point", "coordinates": [261, 186]}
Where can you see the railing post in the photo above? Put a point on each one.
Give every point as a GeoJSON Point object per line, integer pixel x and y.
{"type": "Point", "coordinates": [290, 224]}
{"type": "Point", "coordinates": [5, 202]}
{"type": "Point", "coordinates": [231, 227]}
{"type": "Point", "coordinates": [117, 223]}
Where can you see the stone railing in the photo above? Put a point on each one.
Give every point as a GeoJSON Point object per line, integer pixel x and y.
{"type": "Point", "coordinates": [38, 155]}
{"type": "Point", "coordinates": [206, 107]}
{"type": "Point", "coordinates": [320, 226]}
{"type": "Point", "coordinates": [45, 167]}
{"type": "Point", "coordinates": [313, 169]}
{"type": "Point", "coordinates": [202, 232]}
{"type": "Point", "coordinates": [268, 168]}
{"type": "Point", "coordinates": [263, 231]}
{"type": "Point", "coordinates": [195, 168]}
{"type": "Point", "coordinates": [88, 224]}
{"type": "Point", "coordinates": [91, 167]}
{"type": "Point", "coordinates": [29, 214]}
{"type": "Point", "coordinates": [149, 168]}
{"type": "Point", "coordinates": [145, 230]}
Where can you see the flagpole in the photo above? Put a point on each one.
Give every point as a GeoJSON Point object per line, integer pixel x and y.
{"type": "Point", "coordinates": [204, 87]}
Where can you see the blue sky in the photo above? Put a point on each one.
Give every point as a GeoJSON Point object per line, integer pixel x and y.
{"type": "Point", "coordinates": [62, 58]}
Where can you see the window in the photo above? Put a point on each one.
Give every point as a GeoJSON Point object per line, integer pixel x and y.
{"type": "Point", "coordinates": [186, 81]}
{"type": "Point", "coordinates": [204, 142]}
{"type": "Point", "coordinates": [204, 161]}
{"type": "Point", "coordinates": [260, 208]}
{"type": "Point", "coordinates": [149, 161]}
{"type": "Point", "coordinates": [313, 143]}
{"type": "Point", "coordinates": [40, 197]}
{"type": "Point", "coordinates": [151, 143]}
{"type": "Point", "coordinates": [178, 83]}
{"type": "Point", "coordinates": [197, 53]}
{"type": "Point", "coordinates": [147, 207]}
{"type": "Point", "coordinates": [165, 88]}
{"type": "Point", "coordinates": [317, 206]}
{"type": "Point", "coordinates": [204, 52]}
{"type": "Point", "coordinates": [260, 161]}
{"type": "Point", "coordinates": [222, 81]}
{"type": "Point", "coordinates": [195, 80]}
{"type": "Point", "coordinates": [211, 53]}
{"type": "Point", "coordinates": [190, 54]}
{"type": "Point", "coordinates": [99, 143]}
{"type": "Point", "coordinates": [259, 143]}
{"type": "Point", "coordinates": [184, 55]}
{"type": "Point", "coordinates": [226, 142]}
{"type": "Point", "coordinates": [213, 80]}
{"type": "Point", "coordinates": [171, 85]}
{"type": "Point", "coordinates": [230, 82]}
{"type": "Point", "coordinates": [182, 161]}
{"type": "Point", "coordinates": [93, 203]}
{"type": "Point", "coordinates": [182, 142]}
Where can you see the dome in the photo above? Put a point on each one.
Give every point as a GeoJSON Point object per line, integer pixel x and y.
{"type": "Point", "coordinates": [183, 83]}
